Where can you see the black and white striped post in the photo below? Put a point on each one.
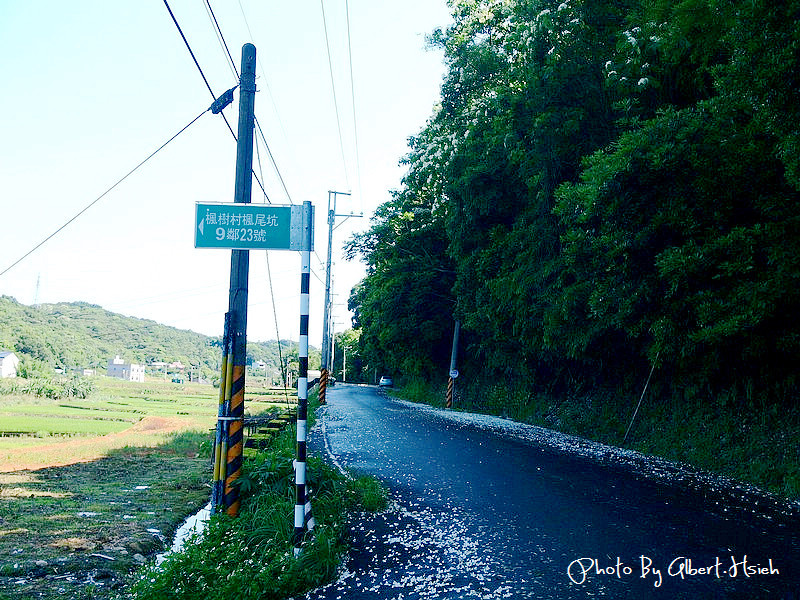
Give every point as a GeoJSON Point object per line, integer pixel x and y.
{"type": "Point", "coordinates": [302, 383]}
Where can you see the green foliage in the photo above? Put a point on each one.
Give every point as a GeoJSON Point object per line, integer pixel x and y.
{"type": "Point", "coordinates": [347, 353]}
{"type": "Point", "coordinates": [251, 556]}
{"type": "Point", "coordinates": [48, 387]}
{"type": "Point", "coordinates": [80, 335]}
{"type": "Point", "coordinates": [187, 443]}
{"type": "Point", "coordinates": [603, 184]}
{"type": "Point", "coordinates": [400, 305]}
{"type": "Point", "coordinates": [368, 493]}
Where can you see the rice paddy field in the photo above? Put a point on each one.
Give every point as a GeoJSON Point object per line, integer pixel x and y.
{"type": "Point", "coordinates": [90, 487]}
{"type": "Point", "coordinates": [39, 432]}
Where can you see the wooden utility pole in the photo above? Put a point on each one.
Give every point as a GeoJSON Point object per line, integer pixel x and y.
{"type": "Point", "coordinates": [240, 263]}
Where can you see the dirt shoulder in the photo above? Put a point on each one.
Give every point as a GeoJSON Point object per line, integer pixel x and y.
{"type": "Point", "coordinates": [78, 530]}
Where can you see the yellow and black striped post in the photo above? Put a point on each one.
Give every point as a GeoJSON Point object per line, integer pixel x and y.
{"type": "Point", "coordinates": [449, 400]}
{"type": "Point", "coordinates": [235, 440]}
{"type": "Point", "coordinates": [220, 439]}
{"type": "Point", "coordinates": [323, 385]}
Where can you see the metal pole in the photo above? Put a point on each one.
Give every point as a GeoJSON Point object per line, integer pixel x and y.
{"type": "Point", "coordinates": [302, 383]}
{"type": "Point", "coordinates": [240, 263]}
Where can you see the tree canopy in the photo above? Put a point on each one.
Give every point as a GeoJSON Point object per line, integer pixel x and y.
{"type": "Point", "coordinates": [603, 186]}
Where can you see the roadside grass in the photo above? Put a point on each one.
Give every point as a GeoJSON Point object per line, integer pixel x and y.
{"type": "Point", "coordinates": [93, 505]}
{"type": "Point", "coordinates": [752, 444]}
{"type": "Point", "coordinates": [251, 556]}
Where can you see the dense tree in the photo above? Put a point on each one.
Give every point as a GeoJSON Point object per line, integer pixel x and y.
{"type": "Point", "coordinates": [604, 185]}
{"type": "Point", "coordinates": [404, 304]}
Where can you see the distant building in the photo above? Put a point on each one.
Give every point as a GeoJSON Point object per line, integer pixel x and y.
{"type": "Point", "coordinates": [8, 364]}
{"type": "Point", "coordinates": [122, 370]}
{"type": "Point", "coordinates": [84, 372]}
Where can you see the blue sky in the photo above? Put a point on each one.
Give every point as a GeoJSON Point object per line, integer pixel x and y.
{"type": "Point", "coordinates": [90, 88]}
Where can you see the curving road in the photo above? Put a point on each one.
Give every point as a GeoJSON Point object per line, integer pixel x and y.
{"type": "Point", "coordinates": [484, 508]}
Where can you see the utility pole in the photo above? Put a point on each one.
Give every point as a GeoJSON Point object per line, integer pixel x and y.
{"type": "Point", "coordinates": [451, 382]}
{"type": "Point", "coordinates": [333, 347]}
{"type": "Point", "coordinates": [240, 263]}
{"type": "Point", "coordinates": [326, 333]}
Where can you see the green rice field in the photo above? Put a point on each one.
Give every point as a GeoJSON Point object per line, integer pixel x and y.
{"type": "Point", "coordinates": [117, 413]}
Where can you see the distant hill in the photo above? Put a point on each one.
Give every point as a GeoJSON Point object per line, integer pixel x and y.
{"type": "Point", "coordinates": [77, 334]}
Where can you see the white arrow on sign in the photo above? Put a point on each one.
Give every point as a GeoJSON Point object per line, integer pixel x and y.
{"type": "Point", "coordinates": [200, 226]}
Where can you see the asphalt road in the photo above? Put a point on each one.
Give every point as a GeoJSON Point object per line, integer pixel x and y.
{"type": "Point", "coordinates": [483, 508]}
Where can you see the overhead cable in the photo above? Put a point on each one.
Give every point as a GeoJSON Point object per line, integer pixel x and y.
{"type": "Point", "coordinates": [208, 85]}
{"type": "Point", "coordinates": [353, 97]}
{"type": "Point", "coordinates": [100, 197]}
{"type": "Point", "coordinates": [236, 71]}
{"type": "Point", "coordinates": [274, 164]}
{"type": "Point", "coordinates": [265, 80]}
{"type": "Point", "coordinates": [333, 88]}
{"type": "Point", "coordinates": [222, 38]}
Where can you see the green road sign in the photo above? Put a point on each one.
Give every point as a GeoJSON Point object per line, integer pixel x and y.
{"type": "Point", "coordinates": [248, 226]}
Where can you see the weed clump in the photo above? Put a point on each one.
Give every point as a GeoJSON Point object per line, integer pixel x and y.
{"type": "Point", "coordinates": [252, 555]}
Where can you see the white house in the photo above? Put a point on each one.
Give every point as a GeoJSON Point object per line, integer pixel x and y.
{"type": "Point", "coordinates": [122, 370]}
{"type": "Point", "coordinates": [8, 364]}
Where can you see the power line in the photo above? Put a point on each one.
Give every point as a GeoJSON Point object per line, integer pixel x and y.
{"type": "Point", "coordinates": [197, 64]}
{"type": "Point", "coordinates": [258, 125]}
{"type": "Point", "coordinates": [266, 80]}
{"type": "Point", "coordinates": [222, 38]}
{"type": "Point", "coordinates": [353, 97]}
{"type": "Point", "coordinates": [100, 197]}
{"type": "Point", "coordinates": [208, 85]}
{"type": "Point", "coordinates": [274, 164]}
{"type": "Point", "coordinates": [333, 88]}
